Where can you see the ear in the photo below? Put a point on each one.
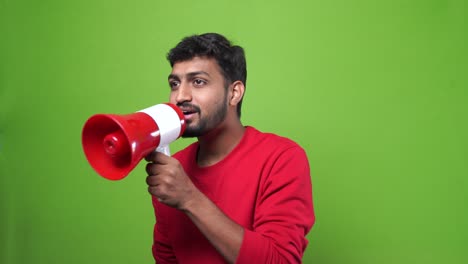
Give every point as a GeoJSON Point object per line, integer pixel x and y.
{"type": "Point", "coordinates": [237, 92]}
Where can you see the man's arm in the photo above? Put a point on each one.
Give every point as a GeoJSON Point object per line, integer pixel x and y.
{"type": "Point", "coordinates": [283, 216]}
{"type": "Point", "coordinates": [284, 212]}
{"type": "Point", "coordinates": [170, 185]}
{"type": "Point", "coordinates": [223, 233]}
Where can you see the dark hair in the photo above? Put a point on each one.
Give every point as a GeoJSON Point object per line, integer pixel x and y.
{"type": "Point", "coordinates": [230, 58]}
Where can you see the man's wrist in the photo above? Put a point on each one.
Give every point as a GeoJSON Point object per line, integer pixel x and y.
{"type": "Point", "coordinates": [194, 200]}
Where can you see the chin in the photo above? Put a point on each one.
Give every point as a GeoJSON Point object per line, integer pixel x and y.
{"type": "Point", "coordinates": [191, 132]}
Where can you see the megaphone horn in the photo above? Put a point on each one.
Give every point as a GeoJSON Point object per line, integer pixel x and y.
{"type": "Point", "coordinates": [115, 144]}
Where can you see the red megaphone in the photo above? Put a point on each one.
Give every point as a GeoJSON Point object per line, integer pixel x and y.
{"type": "Point", "coordinates": [115, 144]}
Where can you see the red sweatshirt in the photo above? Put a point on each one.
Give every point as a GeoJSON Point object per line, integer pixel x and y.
{"type": "Point", "coordinates": [263, 185]}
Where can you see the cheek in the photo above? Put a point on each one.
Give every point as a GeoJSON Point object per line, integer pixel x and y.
{"type": "Point", "coordinates": [172, 98]}
{"type": "Point", "coordinates": [216, 103]}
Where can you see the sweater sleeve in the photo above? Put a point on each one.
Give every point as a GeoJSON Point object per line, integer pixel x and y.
{"type": "Point", "coordinates": [162, 250]}
{"type": "Point", "coordinates": [284, 212]}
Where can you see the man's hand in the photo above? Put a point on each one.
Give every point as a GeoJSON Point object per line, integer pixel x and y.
{"type": "Point", "coordinates": [168, 182]}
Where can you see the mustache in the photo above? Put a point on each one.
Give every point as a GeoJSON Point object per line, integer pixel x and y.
{"type": "Point", "coordinates": [186, 106]}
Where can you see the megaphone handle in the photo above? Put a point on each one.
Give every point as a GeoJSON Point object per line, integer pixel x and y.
{"type": "Point", "coordinates": [164, 150]}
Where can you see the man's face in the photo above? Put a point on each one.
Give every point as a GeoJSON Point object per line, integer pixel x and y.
{"type": "Point", "coordinates": [198, 89]}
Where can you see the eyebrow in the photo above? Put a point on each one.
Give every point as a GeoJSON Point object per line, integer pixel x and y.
{"type": "Point", "coordinates": [188, 75]}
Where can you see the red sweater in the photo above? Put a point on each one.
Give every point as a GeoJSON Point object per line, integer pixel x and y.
{"type": "Point", "coordinates": [263, 185]}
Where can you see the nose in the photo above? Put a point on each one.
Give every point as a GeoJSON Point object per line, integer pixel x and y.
{"type": "Point", "coordinates": [183, 94]}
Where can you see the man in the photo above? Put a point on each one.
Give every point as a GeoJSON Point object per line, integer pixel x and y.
{"type": "Point", "coordinates": [237, 195]}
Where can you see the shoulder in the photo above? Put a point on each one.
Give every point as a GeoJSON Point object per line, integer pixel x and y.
{"type": "Point", "coordinates": [272, 150]}
{"type": "Point", "coordinates": [268, 141]}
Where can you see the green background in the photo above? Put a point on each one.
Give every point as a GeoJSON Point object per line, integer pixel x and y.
{"type": "Point", "coordinates": [375, 92]}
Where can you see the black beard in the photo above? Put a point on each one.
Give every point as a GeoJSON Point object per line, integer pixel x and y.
{"type": "Point", "coordinates": [208, 123]}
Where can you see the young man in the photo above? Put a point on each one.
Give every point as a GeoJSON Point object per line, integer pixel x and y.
{"type": "Point", "coordinates": [237, 195]}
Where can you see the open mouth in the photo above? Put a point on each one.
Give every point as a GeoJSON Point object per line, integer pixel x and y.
{"type": "Point", "coordinates": [189, 113]}
{"type": "Point", "coordinates": [188, 110]}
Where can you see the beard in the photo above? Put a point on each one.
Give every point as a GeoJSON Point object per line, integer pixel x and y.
{"type": "Point", "coordinates": [206, 123]}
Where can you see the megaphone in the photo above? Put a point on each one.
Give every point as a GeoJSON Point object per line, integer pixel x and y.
{"type": "Point", "coordinates": [115, 144]}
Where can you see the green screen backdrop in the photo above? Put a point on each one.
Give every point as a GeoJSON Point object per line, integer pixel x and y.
{"type": "Point", "coordinates": [374, 91]}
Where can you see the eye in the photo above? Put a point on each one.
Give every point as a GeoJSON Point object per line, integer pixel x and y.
{"type": "Point", "coordinates": [199, 82]}
{"type": "Point", "coordinates": [174, 84]}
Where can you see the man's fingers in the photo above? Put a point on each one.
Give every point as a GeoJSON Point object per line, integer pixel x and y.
{"type": "Point", "coordinates": [154, 190]}
{"type": "Point", "coordinates": [151, 169]}
{"type": "Point", "coordinates": [152, 181]}
{"type": "Point", "coordinates": [157, 157]}
{"type": "Point", "coordinates": [158, 190]}
{"type": "Point", "coordinates": [161, 158]}
{"type": "Point", "coordinates": [149, 157]}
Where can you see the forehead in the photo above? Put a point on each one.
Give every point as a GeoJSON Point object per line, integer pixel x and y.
{"type": "Point", "coordinates": [196, 64]}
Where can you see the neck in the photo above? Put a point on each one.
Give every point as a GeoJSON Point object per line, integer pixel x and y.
{"type": "Point", "coordinates": [217, 144]}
